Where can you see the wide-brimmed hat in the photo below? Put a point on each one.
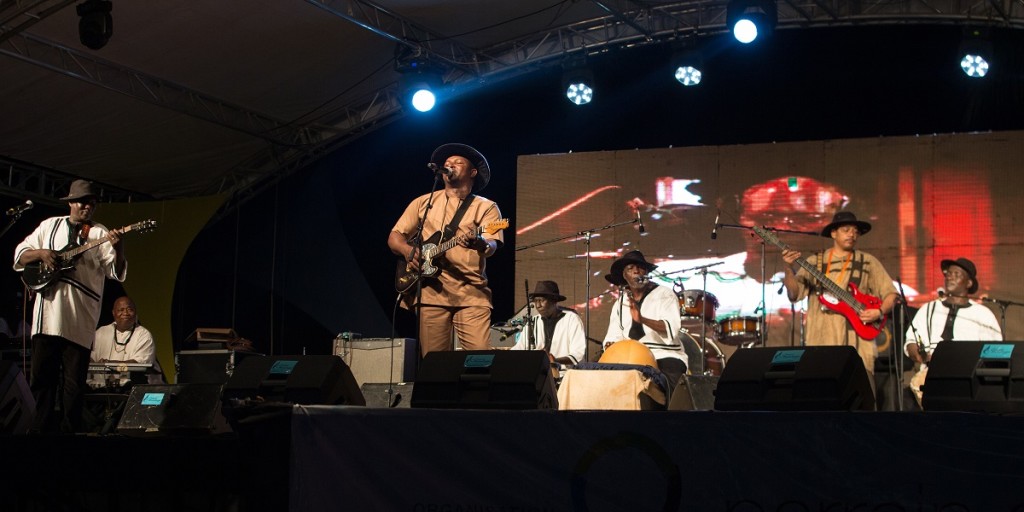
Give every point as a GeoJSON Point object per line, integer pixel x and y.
{"type": "Point", "coordinates": [547, 289]}
{"type": "Point", "coordinates": [635, 257]}
{"type": "Point", "coordinates": [843, 219]}
{"type": "Point", "coordinates": [968, 267]}
{"type": "Point", "coordinates": [483, 169]}
{"type": "Point", "coordinates": [81, 189]}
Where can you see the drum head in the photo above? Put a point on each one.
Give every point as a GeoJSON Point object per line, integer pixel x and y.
{"type": "Point", "coordinates": [713, 361]}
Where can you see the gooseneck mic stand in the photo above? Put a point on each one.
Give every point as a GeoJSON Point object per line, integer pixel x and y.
{"type": "Point", "coordinates": [531, 339]}
{"type": "Point", "coordinates": [897, 354]}
{"type": "Point", "coordinates": [763, 308]}
{"type": "Point", "coordinates": [702, 370]}
{"type": "Point", "coordinates": [1003, 305]}
{"type": "Point", "coordinates": [587, 234]}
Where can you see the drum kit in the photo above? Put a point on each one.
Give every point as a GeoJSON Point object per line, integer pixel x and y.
{"type": "Point", "coordinates": [700, 333]}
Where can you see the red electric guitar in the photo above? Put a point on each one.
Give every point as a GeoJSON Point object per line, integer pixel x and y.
{"type": "Point", "coordinates": [849, 303]}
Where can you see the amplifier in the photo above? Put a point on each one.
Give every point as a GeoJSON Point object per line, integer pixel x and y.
{"type": "Point", "coordinates": [379, 359]}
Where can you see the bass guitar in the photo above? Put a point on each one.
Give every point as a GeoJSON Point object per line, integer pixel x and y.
{"type": "Point", "coordinates": [430, 255]}
{"type": "Point", "coordinates": [37, 278]}
{"type": "Point", "coordinates": [849, 303]}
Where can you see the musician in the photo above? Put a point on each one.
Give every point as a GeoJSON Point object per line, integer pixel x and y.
{"type": "Point", "coordinates": [123, 340]}
{"type": "Point", "coordinates": [458, 297]}
{"type": "Point", "coordinates": [647, 313]}
{"type": "Point", "coordinates": [843, 264]}
{"type": "Point", "coordinates": [557, 331]}
{"type": "Point", "coordinates": [952, 316]}
{"type": "Point", "coordinates": [66, 311]}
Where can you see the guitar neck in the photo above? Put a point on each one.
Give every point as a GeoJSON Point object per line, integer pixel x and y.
{"type": "Point", "coordinates": [444, 246]}
{"type": "Point", "coordinates": [91, 244]}
{"type": "Point", "coordinates": [837, 291]}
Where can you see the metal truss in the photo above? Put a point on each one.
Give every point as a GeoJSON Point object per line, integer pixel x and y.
{"type": "Point", "coordinates": [157, 91]}
{"type": "Point", "coordinates": [44, 186]}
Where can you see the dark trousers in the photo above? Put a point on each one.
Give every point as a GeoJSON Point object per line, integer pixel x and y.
{"type": "Point", "coordinates": [59, 367]}
{"type": "Point", "coordinates": [673, 369]}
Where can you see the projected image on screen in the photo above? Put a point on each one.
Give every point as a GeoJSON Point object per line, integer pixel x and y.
{"type": "Point", "coordinates": [928, 199]}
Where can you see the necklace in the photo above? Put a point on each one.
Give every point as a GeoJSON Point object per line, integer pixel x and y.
{"type": "Point", "coordinates": [122, 347]}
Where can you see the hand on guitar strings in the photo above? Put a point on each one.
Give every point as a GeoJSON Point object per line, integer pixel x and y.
{"type": "Point", "coordinates": [114, 235]}
{"type": "Point", "coordinates": [412, 259]}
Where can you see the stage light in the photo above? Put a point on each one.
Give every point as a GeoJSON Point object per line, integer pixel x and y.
{"type": "Point", "coordinates": [578, 86]}
{"type": "Point", "coordinates": [750, 19]}
{"type": "Point", "coordinates": [687, 67]}
{"type": "Point", "coordinates": [421, 81]}
{"type": "Point", "coordinates": [95, 24]}
{"type": "Point", "coordinates": [975, 53]}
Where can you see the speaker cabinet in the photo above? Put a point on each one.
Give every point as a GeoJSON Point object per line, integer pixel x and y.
{"type": "Point", "coordinates": [975, 376]}
{"type": "Point", "coordinates": [379, 359]}
{"type": "Point", "coordinates": [17, 406]}
{"type": "Point", "coordinates": [173, 410]}
{"type": "Point", "coordinates": [485, 379]}
{"type": "Point", "coordinates": [694, 393]}
{"type": "Point", "coordinates": [296, 379]}
{"type": "Point", "coordinates": [825, 378]}
{"type": "Point", "coordinates": [207, 366]}
{"type": "Point", "coordinates": [383, 395]}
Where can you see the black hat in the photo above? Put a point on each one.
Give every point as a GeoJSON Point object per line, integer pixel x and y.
{"type": "Point", "coordinates": [635, 257]}
{"type": "Point", "coordinates": [483, 170]}
{"type": "Point", "coordinates": [968, 267]}
{"type": "Point", "coordinates": [843, 219]}
{"type": "Point", "coordinates": [81, 189]}
{"type": "Point", "coordinates": [547, 289]}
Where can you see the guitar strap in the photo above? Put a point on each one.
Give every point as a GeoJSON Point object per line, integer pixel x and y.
{"type": "Point", "coordinates": [857, 269]}
{"type": "Point", "coordinates": [453, 226]}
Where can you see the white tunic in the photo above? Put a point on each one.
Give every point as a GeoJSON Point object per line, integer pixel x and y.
{"type": "Point", "coordinates": [660, 304]}
{"type": "Point", "coordinates": [70, 307]}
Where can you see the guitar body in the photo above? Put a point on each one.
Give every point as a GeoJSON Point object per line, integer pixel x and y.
{"type": "Point", "coordinates": [431, 265]}
{"type": "Point", "coordinates": [866, 331]}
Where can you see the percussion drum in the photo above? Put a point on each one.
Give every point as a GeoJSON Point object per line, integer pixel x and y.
{"type": "Point", "coordinates": [737, 330]}
{"type": "Point", "coordinates": [714, 360]}
{"type": "Point", "coordinates": [697, 303]}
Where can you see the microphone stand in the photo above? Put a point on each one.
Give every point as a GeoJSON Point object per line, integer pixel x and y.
{"type": "Point", "coordinates": [587, 234]}
{"type": "Point", "coordinates": [531, 340]}
{"type": "Point", "coordinates": [14, 218]}
{"type": "Point", "coordinates": [1003, 305]}
{"type": "Point", "coordinates": [703, 310]}
{"type": "Point", "coordinates": [763, 319]}
{"type": "Point", "coordinates": [898, 355]}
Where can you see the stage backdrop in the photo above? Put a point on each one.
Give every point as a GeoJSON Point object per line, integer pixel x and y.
{"type": "Point", "coordinates": [928, 198]}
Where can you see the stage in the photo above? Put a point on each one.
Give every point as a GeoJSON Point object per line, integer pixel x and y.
{"type": "Point", "coordinates": [313, 458]}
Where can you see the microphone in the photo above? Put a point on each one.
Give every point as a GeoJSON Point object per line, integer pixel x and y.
{"type": "Point", "coordinates": [941, 292]}
{"type": "Point", "coordinates": [714, 232]}
{"type": "Point", "coordinates": [641, 279]}
{"type": "Point", "coordinates": [443, 170]}
{"type": "Point", "coordinates": [18, 210]}
{"type": "Point", "coordinates": [640, 221]}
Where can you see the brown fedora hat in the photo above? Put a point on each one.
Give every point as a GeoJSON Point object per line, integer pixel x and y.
{"type": "Point", "coordinates": [547, 289]}
{"type": "Point", "coordinates": [81, 189]}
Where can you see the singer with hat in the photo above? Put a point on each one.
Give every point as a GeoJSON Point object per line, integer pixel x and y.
{"type": "Point", "coordinates": [66, 311]}
{"type": "Point", "coordinates": [843, 264]}
{"type": "Point", "coordinates": [556, 330]}
{"type": "Point", "coordinates": [648, 313]}
{"type": "Point", "coordinates": [952, 316]}
{"type": "Point", "coordinates": [457, 298]}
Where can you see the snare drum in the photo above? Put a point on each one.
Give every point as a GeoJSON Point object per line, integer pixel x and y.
{"type": "Point", "coordinates": [697, 303]}
{"type": "Point", "coordinates": [737, 330]}
{"type": "Point", "coordinates": [714, 360]}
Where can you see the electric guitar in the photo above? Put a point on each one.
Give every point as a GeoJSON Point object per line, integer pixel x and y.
{"type": "Point", "coordinates": [406, 278]}
{"type": "Point", "coordinates": [36, 278]}
{"type": "Point", "coordinates": [849, 303]}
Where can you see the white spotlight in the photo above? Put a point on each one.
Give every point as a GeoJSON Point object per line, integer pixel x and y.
{"type": "Point", "coordinates": [688, 75]}
{"type": "Point", "coordinates": [579, 93]}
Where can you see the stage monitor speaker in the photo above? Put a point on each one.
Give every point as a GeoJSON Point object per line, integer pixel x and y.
{"type": "Point", "coordinates": [485, 379]}
{"type": "Point", "coordinates": [296, 379]}
{"type": "Point", "coordinates": [379, 359]}
{"type": "Point", "coordinates": [207, 366]}
{"type": "Point", "coordinates": [975, 376]}
{"type": "Point", "coordinates": [820, 378]}
{"type": "Point", "coordinates": [17, 406]}
{"type": "Point", "coordinates": [694, 393]}
{"type": "Point", "coordinates": [173, 410]}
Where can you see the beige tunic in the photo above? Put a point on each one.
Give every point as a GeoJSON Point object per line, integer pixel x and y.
{"type": "Point", "coordinates": [825, 327]}
{"type": "Point", "coordinates": [464, 281]}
